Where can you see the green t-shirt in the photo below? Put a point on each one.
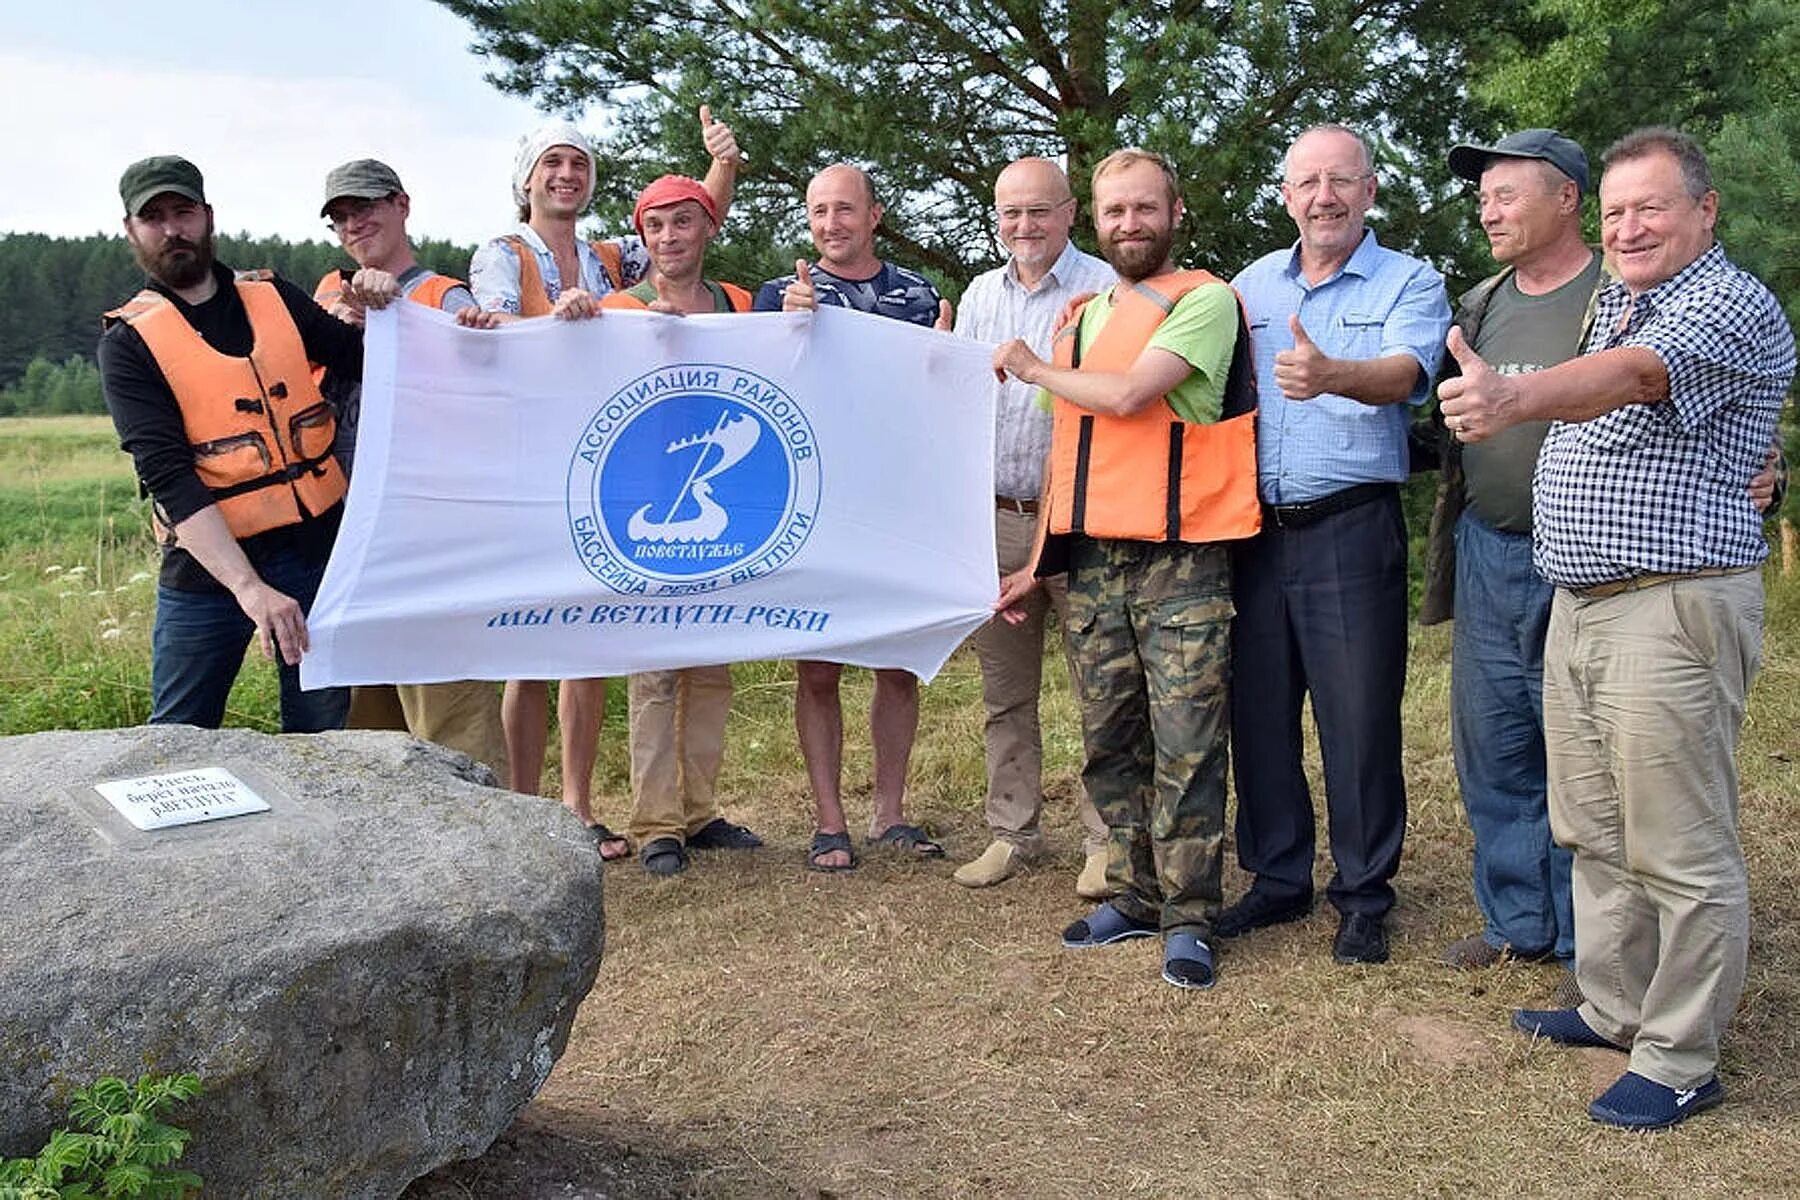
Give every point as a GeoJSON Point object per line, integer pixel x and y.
{"type": "Point", "coordinates": [1521, 333]}
{"type": "Point", "coordinates": [1202, 329]}
{"type": "Point", "coordinates": [646, 291]}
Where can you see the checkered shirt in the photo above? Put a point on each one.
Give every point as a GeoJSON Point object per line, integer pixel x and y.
{"type": "Point", "coordinates": [1663, 488]}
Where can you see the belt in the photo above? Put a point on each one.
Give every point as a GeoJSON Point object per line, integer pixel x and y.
{"type": "Point", "coordinates": [1637, 583]}
{"type": "Point", "coordinates": [1311, 512]}
{"type": "Point", "coordinates": [1025, 508]}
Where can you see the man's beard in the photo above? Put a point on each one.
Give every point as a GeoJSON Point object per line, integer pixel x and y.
{"type": "Point", "coordinates": [1142, 259]}
{"type": "Point", "coordinates": [177, 263]}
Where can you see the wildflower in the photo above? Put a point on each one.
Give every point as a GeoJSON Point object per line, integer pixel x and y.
{"type": "Point", "coordinates": [109, 634]}
{"type": "Point", "coordinates": [52, 569]}
{"type": "Point", "coordinates": [138, 577]}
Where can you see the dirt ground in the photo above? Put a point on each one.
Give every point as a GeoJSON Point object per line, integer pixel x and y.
{"type": "Point", "coordinates": [761, 1031]}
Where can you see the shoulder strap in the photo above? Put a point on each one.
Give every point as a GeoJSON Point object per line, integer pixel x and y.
{"type": "Point", "coordinates": [433, 288]}
{"type": "Point", "coordinates": [736, 298]}
{"type": "Point", "coordinates": [132, 309]}
{"type": "Point", "coordinates": [534, 300]}
{"type": "Point", "coordinates": [611, 261]}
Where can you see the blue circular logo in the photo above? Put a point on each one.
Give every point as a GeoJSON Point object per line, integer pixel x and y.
{"type": "Point", "coordinates": [691, 478]}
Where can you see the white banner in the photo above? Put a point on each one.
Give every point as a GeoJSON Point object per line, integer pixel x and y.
{"type": "Point", "coordinates": [560, 499]}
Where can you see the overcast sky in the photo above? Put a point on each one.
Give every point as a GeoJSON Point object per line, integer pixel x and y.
{"type": "Point", "coordinates": [265, 96]}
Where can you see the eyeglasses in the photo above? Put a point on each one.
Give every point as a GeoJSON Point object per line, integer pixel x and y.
{"type": "Point", "coordinates": [353, 210]}
{"type": "Point", "coordinates": [1037, 212]}
{"type": "Point", "coordinates": [1338, 183]}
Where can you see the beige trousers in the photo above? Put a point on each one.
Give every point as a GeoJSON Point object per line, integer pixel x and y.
{"type": "Point", "coordinates": [677, 746]}
{"type": "Point", "coordinates": [1643, 699]}
{"type": "Point", "coordinates": [463, 715]}
{"type": "Point", "coordinates": [1012, 667]}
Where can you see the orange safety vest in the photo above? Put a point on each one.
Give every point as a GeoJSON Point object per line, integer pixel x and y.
{"type": "Point", "coordinates": [430, 292]}
{"type": "Point", "coordinates": [735, 296]}
{"type": "Point", "coordinates": [1103, 478]}
{"type": "Point", "coordinates": [260, 432]}
{"type": "Point", "coordinates": [534, 298]}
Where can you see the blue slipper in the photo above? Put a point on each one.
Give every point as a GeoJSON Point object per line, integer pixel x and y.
{"type": "Point", "coordinates": [1563, 1026]}
{"type": "Point", "coordinates": [1187, 961]}
{"type": "Point", "coordinates": [1635, 1102]}
{"type": "Point", "coordinates": [1104, 926]}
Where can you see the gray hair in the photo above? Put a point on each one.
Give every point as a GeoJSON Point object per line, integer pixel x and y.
{"type": "Point", "coordinates": [1696, 174]}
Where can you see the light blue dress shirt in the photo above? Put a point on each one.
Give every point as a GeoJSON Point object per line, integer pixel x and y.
{"type": "Point", "coordinates": [1379, 303]}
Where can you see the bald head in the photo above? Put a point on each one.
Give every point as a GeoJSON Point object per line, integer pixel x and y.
{"type": "Point", "coordinates": [842, 214]}
{"type": "Point", "coordinates": [1036, 210]}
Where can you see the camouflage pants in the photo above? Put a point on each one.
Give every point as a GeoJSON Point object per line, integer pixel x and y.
{"type": "Point", "coordinates": [1151, 628]}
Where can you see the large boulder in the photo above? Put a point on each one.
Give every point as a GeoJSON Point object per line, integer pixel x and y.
{"type": "Point", "coordinates": [370, 978]}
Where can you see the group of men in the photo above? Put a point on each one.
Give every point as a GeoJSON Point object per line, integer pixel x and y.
{"type": "Point", "coordinates": [1202, 479]}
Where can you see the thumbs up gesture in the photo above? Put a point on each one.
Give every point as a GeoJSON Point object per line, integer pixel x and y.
{"type": "Point", "coordinates": [799, 296]}
{"type": "Point", "coordinates": [1479, 402]}
{"type": "Point", "coordinates": [944, 317]}
{"type": "Point", "coordinates": [720, 142]}
{"type": "Point", "coordinates": [1304, 371]}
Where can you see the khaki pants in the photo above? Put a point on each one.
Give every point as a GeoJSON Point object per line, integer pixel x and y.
{"type": "Point", "coordinates": [1643, 699]}
{"type": "Point", "coordinates": [677, 746]}
{"type": "Point", "coordinates": [1012, 667]}
{"type": "Point", "coordinates": [464, 715]}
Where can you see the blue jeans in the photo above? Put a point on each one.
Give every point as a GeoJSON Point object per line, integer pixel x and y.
{"type": "Point", "coordinates": [1497, 732]}
{"type": "Point", "coordinates": [198, 643]}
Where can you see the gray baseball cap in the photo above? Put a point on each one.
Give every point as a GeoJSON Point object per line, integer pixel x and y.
{"type": "Point", "coordinates": [149, 178]}
{"type": "Point", "coordinates": [361, 179]}
{"type": "Point", "coordinates": [1547, 145]}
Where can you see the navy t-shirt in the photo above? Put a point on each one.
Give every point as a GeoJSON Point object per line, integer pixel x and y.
{"type": "Point", "coordinates": [890, 292]}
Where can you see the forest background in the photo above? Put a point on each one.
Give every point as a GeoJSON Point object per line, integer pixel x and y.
{"type": "Point", "coordinates": [936, 97]}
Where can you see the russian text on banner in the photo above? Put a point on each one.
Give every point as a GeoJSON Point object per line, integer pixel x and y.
{"type": "Point", "coordinates": [637, 492]}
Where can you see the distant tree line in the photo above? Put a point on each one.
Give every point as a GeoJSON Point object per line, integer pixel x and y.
{"type": "Point", "coordinates": [60, 286]}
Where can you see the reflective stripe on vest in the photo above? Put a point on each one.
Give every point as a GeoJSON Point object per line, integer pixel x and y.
{"type": "Point", "coordinates": [1151, 476]}
{"type": "Point", "coordinates": [534, 297]}
{"type": "Point", "coordinates": [260, 432]}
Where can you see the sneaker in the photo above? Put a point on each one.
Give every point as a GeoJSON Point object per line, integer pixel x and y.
{"type": "Point", "coordinates": [1104, 926]}
{"type": "Point", "coordinates": [1187, 962]}
{"type": "Point", "coordinates": [1361, 938]}
{"type": "Point", "coordinates": [1564, 1026]}
{"type": "Point", "coordinates": [997, 864]}
{"type": "Point", "coordinates": [1091, 883]}
{"type": "Point", "coordinates": [1635, 1102]}
{"type": "Point", "coordinates": [1258, 909]}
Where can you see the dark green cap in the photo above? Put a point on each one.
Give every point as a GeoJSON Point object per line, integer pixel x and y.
{"type": "Point", "coordinates": [149, 178]}
{"type": "Point", "coordinates": [361, 179]}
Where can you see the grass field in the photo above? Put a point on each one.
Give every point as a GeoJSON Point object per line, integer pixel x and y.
{"type": "Point", "coordinates": [758, 1030]}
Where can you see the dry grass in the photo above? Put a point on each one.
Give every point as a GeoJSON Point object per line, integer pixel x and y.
{"type": "Point", "coordinates": [758, 1030]}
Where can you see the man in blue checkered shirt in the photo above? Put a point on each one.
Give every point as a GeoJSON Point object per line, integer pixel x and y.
{"type": "Point", "coordinates": [1643, 521]}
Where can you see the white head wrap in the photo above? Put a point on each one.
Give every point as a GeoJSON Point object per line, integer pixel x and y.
{"type": "Point", "coordinates": [532, 147]}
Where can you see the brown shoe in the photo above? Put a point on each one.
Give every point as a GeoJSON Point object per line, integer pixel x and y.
{"type": "Point", "coordinates": [1091, 884]}
{"type": "Point", "coordinates": [1472, 953]}
{"type": "Point", "coordinates": [1567, 993]}
{"type": "Point", "coordinates": [998, 863]}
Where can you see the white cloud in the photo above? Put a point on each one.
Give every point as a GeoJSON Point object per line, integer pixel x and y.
{"type": "Point", "coordinates": [264, 144]}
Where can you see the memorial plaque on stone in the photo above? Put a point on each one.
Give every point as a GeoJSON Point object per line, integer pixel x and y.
{"type": "Point", "coordinates": [181, 798]}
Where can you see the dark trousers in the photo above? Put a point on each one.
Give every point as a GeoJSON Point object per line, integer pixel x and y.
{"type": "Point", "coordinates": [1321, 610]}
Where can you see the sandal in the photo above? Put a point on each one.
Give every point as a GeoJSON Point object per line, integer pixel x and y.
{"type": "Point", "coordinates": [910, 838]}
{"type": "Point", "coordinates": [720, 834]}
{"type": "Point", "coordinates": [604, 837]}
{"type": "Point", "coordinates": [664, 856]}
{"type": "Point", "coordinates": [827, 843]}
